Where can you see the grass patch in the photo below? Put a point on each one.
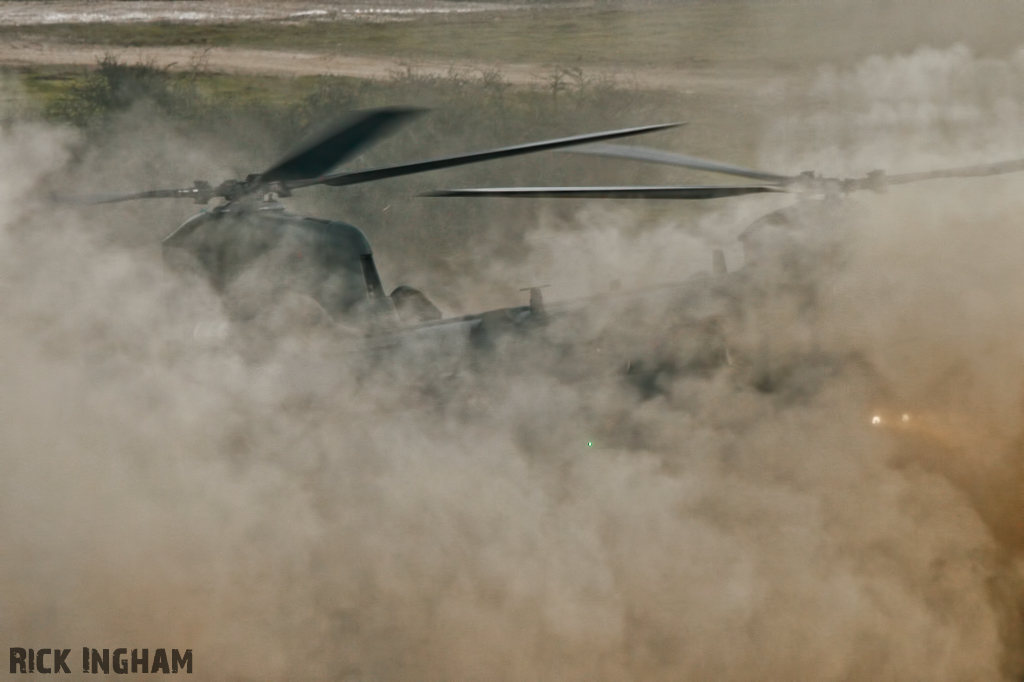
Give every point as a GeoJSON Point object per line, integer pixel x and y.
{"type": "Point", "coordinates": [46, 85]}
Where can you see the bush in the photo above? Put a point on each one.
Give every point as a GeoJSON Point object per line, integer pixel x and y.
{"type": "Point", "coordinates": [115, 87]}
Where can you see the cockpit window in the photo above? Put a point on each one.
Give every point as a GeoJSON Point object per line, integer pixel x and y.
{"type": "Point", "coordinates": [257, 258]}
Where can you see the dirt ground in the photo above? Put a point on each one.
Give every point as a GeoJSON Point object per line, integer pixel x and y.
{"type": "Point", "coordinates": [279, 63]}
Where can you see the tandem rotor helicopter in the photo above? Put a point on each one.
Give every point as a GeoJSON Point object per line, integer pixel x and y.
{"type": "Point", "coordinates": [330, 264]}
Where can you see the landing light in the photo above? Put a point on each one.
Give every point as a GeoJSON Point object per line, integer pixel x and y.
{"type": "Point", "coordinates": [880, 420]}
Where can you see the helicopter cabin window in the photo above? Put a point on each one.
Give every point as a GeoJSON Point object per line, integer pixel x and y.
{"type": "Point", "coordinates": [260, 259]}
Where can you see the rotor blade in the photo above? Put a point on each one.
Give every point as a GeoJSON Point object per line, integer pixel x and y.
{"type": "Point", "coordinates": [962, 172]}
{"type": "Point", "coordinates": [673, 159]}
{"type": "Point", "coordinates": [93, 199]}
{"type": "Point", "coordinates": [686, 192]}
{"type": "Point", "coordinates": [356, 177]}
{"type": "Point", "coordinates": [315, 156]}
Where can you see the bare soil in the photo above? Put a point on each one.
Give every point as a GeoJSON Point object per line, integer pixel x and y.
{"type": "Point", "coordinates": [282, 63]}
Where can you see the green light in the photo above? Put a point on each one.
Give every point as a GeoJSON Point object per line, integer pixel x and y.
{"type": "Point", "coordinates": [590, 443]}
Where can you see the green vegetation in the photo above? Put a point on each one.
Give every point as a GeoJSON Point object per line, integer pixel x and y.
{"type": "Point", "coordinates": [82, 95]}
{"type": "Point", "coordinates": [45, 84]}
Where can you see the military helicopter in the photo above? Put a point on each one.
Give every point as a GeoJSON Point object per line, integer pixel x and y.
{"type": "Point", "coordinates": [255, 253]}
{"type": "Point", "coordinates": [789, 254]}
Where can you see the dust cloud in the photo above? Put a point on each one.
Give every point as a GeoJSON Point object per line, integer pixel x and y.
{"type": "Point", "coordinates": [294, 518]}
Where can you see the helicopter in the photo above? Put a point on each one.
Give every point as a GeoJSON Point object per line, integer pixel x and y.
{"type": "Point", "coordinates": [256, 254]}
{"type": "Point", "coordinates": [790, 254]}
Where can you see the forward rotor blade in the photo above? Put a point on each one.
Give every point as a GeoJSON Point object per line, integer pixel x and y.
{"type": "Point", "coordinates": [962, 172]}
{"type": "Point", "coordinates": [315, 156]}
{"type": "Point", "coordinates": [672, 159]}
{"type": "Point", "coordinates": [356, 177]}
{"type": "Point", "coordinates": [688, 192]}
{"type": "Point", "coordinates": [93, 199]}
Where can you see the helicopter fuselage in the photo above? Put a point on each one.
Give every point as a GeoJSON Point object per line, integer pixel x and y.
{"type": "Point", "coordinates": [253, 255]}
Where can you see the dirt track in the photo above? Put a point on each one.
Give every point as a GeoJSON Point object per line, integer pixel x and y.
{"type": "Point", "coordinates": [28, 51]}
{"type": "Point", "coordinates": [282, 63]}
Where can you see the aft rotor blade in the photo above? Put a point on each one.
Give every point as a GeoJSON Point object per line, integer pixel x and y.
{"type": "Point", "coordinates": [672, 159]}
{"type": "Point", "coordinates": [356, 177]}
{"type": "Point", "coordinates": [341, 142]}
{"type": "Point", "coordinates": [687, 192]}
{"type": "Point", "coordinates": [963, 172]}
{"type": "Point", "coordinates": [93, 199]}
